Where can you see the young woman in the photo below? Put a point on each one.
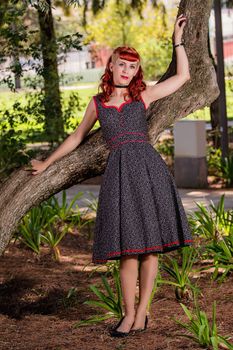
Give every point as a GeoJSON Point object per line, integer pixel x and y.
{"type": "Point", "coordinates": [140, 213]}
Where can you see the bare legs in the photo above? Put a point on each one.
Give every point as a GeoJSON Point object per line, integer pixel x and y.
{"type": "Point", "coordinates": [129, 275]}
{"type": "Point", "coordinates": [147, 275]}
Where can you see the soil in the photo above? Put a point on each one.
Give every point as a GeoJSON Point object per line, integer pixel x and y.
{"type": "Point", "coordinates": [35, 312]}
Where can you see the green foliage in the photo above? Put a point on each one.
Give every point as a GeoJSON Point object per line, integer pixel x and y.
{"type": "Point", "coordinates": [33, 224]}
{"type": "Point", "coordinates": [222, 167]}
{"type": "Point", "coordinates": [45, 224]}
{"type": "Point", "coordinates": [222, 252]}
{"type": "Point", "coordinates": [53, 236]}
{"type": "Point", "coordinates": [13, 152]}
{"type": "Point", "coordinates": [201, 331]}
{"type": "Point", "coordinates": [225, 169]}
{"type": "Point", "coordinates": [24, 122]}
{"type": "Point", "coordinates": [166, 147]}
{"type": "Point", "coordinates": [92, 204]}
{"type": "Point", "coordinates": [71, 299]}
{"type": "Point", "coordinates": [22, 40]}
{"type": "Point", "coordinates": [64, 210]}
{"type": "Point", "coordinates": [212, 222]}
{"type": "Point", "coordinates": [39, 48]}
{"type": "Point", "coordinates": [110, 301]}
{"type": "Point", "coordinates": [70, 107]}
{"type": "Point", "coordinates": [213, 157]}
{"type": "Point", "coordinates": [120, 24]}
{"type": "Point", "coordinates": [180, 274]}
{"type": "Point", "coordinates": [215, 224]}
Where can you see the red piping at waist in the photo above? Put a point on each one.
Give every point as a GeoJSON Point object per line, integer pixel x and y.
{"type": "Point", "coordinates": [117, 145]}
{"type": "Point", "coordinates": [126, 133]}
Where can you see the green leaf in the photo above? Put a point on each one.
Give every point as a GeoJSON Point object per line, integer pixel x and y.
{"type": "Point", "coordinates": [107, 287]}
{"type": "Point", "coordinates": [94, 319]}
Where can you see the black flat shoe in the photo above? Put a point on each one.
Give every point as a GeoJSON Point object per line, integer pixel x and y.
{"type": "Point", "coordinates": [138, 330]}
{"type": "Point", "coordinates": [115, 333]}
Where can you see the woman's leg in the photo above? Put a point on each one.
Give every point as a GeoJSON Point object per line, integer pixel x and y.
{"type": "Point", "coordinates": [128, 276]}
{"type": "Point", "coordinates": [147, 274]}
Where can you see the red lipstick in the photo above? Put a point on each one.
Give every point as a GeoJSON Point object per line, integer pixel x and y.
{"type": "Point", "coordinates": [124, 77]}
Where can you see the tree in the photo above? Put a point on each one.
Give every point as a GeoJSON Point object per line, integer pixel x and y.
{"type": "Point", "coordinates": [118, 24]}
{"type": "Point", "coordinates": [28, 32]}
{"type": "Point", "coordinates": [21, 191]}
{"type": "Point", "coordinates": [52, 101]}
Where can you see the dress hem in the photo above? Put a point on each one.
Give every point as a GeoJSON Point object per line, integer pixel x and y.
{"type": "Point", "coordinates": [167, 248]}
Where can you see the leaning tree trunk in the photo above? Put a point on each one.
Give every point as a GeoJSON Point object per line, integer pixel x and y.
{"type": "Point", "coordinates": [22, 190]}
{"type": "Point", "coordinates": [52, 102]}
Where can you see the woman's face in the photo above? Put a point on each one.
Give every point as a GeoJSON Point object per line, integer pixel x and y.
{"type": "Point", "coordinates": [123, 70]}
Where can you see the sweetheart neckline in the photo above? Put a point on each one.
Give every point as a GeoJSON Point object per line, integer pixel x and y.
{"type": "Point", "coordinates": [117, 107]}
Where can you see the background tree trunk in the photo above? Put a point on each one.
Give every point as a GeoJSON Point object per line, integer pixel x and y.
{"type": "Point", "coordinates": [3, 9]}
{"type": "Point", "coordinates": [52, 103]}
{"type": "Point", "coordinates": [22, 190]}
{"type": "Point", "coordinates": [214, 109]}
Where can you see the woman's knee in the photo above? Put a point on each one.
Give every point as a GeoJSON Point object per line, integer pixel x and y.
{"type": "Point", "coordinates": [149, 256]}
{"type": "Point", "coordinates": [129, 259]}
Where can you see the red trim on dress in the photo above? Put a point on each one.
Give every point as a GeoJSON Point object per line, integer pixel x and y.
{"type": "Point", "coordinates": [127, 132]}
{"type": "Point", "coordinates": [96, 107]}
{"type": "Point", "coordinates": [119, 108]}
{"type": "Point", "coordinates": [127, 141]}
{"type": "Point", "coordinates": [142, 250]}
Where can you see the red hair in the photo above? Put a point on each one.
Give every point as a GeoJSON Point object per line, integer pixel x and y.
{"type": "Point", "coordinates": [136, 86]}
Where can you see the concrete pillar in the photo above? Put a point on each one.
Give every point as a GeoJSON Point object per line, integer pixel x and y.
{"type": "Point", "coordinates": [190, 154]}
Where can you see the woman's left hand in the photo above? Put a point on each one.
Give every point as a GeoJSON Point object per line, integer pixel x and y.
{"type": "Point", "coordinates": [179, 27]}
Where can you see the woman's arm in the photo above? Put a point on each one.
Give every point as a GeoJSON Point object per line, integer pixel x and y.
{"type": "Point", "coordinates": [71, 142]}
{"type": "Point", "coordinates": [173, 83]}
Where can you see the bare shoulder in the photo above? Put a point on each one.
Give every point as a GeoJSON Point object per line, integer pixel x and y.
{"type": "Point", "coordinates": [91, 112]}
{"type": "Point", "coordinates": [91, 103]}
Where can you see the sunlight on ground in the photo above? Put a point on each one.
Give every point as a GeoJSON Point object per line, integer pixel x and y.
{"type": "Point", "coordinates": [82, 263]}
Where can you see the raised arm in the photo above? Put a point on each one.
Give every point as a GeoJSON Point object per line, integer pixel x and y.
{"type": "Point", "coordinates": [71, 142]}
{"type": "Point", "coordinates": [170, 85]}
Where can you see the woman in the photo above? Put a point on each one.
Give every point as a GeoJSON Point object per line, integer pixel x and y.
{"type": "Point", "coordinates": [140, 213]}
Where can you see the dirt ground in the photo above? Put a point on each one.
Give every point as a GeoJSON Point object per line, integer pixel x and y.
{"type": "Point", "coordinates": [35, 313]}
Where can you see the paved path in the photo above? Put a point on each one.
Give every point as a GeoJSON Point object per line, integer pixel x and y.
{"type": "Point", "coordinates": [188, 196]}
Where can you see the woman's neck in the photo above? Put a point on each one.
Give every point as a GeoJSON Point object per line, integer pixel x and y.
{"type": "Point", "coordinates": [119, 92]}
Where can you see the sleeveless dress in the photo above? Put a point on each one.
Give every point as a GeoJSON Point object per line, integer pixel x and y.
{"type": "Point", "coordinates": [139, 208]}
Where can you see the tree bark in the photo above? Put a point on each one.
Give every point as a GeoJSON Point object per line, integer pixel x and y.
{"type": "Point", "coordinates": [52, 102]}
{"type": "Point", "coordinates": [21, 191]}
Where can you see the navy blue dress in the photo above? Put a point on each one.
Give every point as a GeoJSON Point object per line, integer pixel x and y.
{"type": "Point", "coordinates": [139, 209]}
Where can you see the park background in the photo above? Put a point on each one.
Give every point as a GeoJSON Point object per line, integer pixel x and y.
{"type": "Point", "coordinates": [46, 272]}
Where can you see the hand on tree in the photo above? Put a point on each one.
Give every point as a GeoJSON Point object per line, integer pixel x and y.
{"type": "Point", "coordinates": [178, 28]}
{"type": "Point", "coordinates": [38, 166]}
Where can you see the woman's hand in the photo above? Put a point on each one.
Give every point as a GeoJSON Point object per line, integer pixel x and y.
{"type": "Point", "coordinates": [179, 27]}
{"type": "Point", "coordinates": [38, 166]}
